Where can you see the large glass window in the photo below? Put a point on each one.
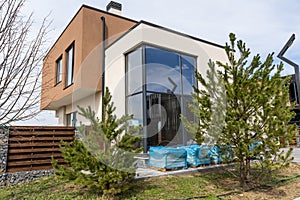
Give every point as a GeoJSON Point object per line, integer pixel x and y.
{"type": "Point", "coordinates": [59, 70]}
{"type": "Point", "coordinates": [159, 87]}
{"type": "Point", "coordinates": [70, 65]}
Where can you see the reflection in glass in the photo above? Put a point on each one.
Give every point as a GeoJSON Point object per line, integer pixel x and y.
{"type": "Point", "coordinates": [70, 66]}
{"type": "Point", "coordinates": [134, 71]}
{"type": "Point", "coordinates": [163, 118]}
{"type": "Point", "coordinates": [188, 74]}
{"type": "Point", "coordinates": [162, 70]}
{"type": "Point", "coordinates": [135, 107]}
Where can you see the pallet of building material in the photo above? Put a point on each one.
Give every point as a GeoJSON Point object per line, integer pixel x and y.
{"type": "Point", "coordinates": [167, 158]}
{"type": "Point", "coordinates": [192, 155]}
{"type": "Point", "coordinates": [204, 155]}
{"type": "Point", "coordinates": [221, 154]}
{"type": "Point", "coordinates": [165, 170]}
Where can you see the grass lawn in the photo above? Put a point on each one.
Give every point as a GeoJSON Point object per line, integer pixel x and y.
{"type": "Point", "coordinates": [208, 185]}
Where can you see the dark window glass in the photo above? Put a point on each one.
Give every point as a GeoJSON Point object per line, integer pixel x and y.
{"type": "Point", "coordinates": [162, 71]}
{"type": "Point", "coordinates": [71, 119]}
{"type": "Point", "coordinates": [163, 118]}
{"type": "Point", "coordinates": [134, 71]}
{"type": "Point", "coordinates": [70, 66]}
{"type": "Point", "coordinates": [59, 70]}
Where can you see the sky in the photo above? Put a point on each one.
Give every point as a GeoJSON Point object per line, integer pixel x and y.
{"type": "Point", "coordinates": [265, 25]}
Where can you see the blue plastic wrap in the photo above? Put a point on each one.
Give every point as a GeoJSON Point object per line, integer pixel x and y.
{"type": "Point", "coordinates": [214, 155]}
{"type": "Point", "coordinates": [222, 153]}
{"type": "Point", "coordinates": [204, 154]}
{"type": "Point", "coordinates": [192, 155]}
{"type": "Point", "coordinates": [167, 157]}
{"type": "Point", "coordinates": [253, 145]}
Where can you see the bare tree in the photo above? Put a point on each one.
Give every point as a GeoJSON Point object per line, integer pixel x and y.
{"type": "Point", "coordinates": [21, 55]}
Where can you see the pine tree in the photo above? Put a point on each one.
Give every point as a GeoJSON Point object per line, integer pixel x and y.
{"type": "Point", "coordinates": [103, 160]}
{"type": "Point", "coordinates": [241, 104]}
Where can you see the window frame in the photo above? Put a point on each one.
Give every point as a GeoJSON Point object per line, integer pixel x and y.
{"type": "Point", "coordinates": [58, 68]}
{"type": "Point", "coordinates": [71, 119]}
{"type": "Point", "coordinates": [68, 68]}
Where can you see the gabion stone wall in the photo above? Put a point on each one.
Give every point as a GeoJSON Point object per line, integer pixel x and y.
{"type": "Point", "coordinates": [3, 155]}
{"type": "Point", "coordinates": [13, 178]}
{"type": "Point", "coordinates": [3, 150]}
{"type": "Point", "coordinates": [6, 178]}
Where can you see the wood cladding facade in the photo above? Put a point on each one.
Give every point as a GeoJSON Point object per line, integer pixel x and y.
{"type": "Point", "coordinates": [85, 32]}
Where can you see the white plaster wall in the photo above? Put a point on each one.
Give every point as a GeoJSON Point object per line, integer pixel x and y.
{"type": "Point", "coordinates": [93, 100]}
{"type": "Point", "coordinates": [115, 59]}
{"type": "Point", "coordinates": [60, 114]}
{"type": "Point", "coordinates": [115, 81]}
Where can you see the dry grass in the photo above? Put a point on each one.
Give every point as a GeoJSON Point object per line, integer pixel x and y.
{"type": "Point", "coordinates": [208, 185]}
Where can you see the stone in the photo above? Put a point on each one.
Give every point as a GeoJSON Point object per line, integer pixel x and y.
{"type": "Point", "coordinates": [22, 177]}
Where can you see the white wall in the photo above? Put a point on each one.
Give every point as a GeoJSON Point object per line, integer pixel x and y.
{"type": "Point", "coordinates": [115, 81]}
{"type": "Point", "coordinates": [93, 100]}
{"type": "Point", "coordinates": [60, 114]}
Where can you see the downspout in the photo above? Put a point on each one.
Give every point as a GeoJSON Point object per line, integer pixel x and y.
{"type": "Point", "coordinates": [103, 60]}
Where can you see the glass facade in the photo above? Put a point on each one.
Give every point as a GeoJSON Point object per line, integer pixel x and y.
{"type": "Point", "coordinates": [159, 86]}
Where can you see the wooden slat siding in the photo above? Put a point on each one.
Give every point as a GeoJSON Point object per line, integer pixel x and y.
{"type": "Point", "coordinates": [35, 156]}
{"type": "Point", "coordinates": [32, 144]}
{"type": "Point", "coordinates": [40, 167]}
{"type": "Point", "coordinates": [36, 162]}
{"type": "Point", "coordinates": [40, 138]}
{"type": "Point", "coordinates": [31, 147]}
{"type": "Point", "coordinates": [32, 150]}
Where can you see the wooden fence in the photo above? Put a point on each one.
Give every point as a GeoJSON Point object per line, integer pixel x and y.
{"type": "Point", "coordinates": [31, 148]}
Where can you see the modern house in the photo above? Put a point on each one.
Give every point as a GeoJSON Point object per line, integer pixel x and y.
{"type": "Point", "coordinates": [149, 70]}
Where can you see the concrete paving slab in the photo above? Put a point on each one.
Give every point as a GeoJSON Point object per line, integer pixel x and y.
{"type": "Point", "coordinates": [142, 173]}
{"type": "Point", "coordinates": [295, 154]}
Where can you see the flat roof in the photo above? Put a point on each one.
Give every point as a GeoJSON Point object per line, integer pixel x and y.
{"type": "Point", "coordinates": [165, 29]}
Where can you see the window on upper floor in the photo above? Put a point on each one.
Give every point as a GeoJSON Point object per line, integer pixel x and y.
{"type": "Point", "coordinates": [70, 65]}
{"type": "Point", "coordinates": [59, 70]}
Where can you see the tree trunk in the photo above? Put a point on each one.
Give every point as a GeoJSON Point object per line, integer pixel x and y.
{"type": "Point", "coordinates": [242, 174]}
{"type": "Point", "coordinates": [248, 169]}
